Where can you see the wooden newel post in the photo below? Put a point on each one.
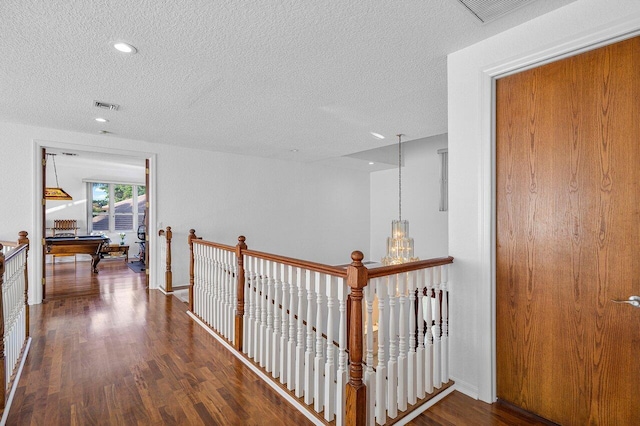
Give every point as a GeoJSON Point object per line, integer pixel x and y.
{"type": "Point", "coordinates": [356, 392]}
{"type": "Point", "coordinates": [22, 239]}
{"type": "Point", "coordinates": [190, 238]}
{"type": "Point", "coordinates": [3, 371]}
{"type": "Point", "coordinates": [168, 275]}
{"type": "Point", "coordinates": [239, 322]}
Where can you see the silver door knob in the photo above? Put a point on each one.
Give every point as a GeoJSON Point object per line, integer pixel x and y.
{"type": "Point", "coordinates": [633, 301]}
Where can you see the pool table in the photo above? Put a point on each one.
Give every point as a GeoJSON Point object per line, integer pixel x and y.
{"type": "Point", "coordinates": [79, 244]}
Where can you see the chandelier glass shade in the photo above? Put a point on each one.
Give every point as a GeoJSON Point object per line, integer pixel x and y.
{"type": "Point", "coordinates": [399, 244]}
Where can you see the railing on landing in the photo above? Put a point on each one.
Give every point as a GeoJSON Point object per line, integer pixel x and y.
{"type": "Point", "coordinates": [354, 345]}
{"type": "Point", "coordinates": [14, 315]}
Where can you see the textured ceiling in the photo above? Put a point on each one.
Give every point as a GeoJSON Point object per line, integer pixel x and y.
{"type": "Point", "coordinates": [254, 77]}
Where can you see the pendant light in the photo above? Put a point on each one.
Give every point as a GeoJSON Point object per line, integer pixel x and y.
{"type": "Point", "coordinates": [55, 193]}
{"type": "Point", "coordinates": [399, 244]}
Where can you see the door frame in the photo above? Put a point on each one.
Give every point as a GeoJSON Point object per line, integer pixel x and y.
{"type": "Point", "coordinates": [37, 262]}
{"type": "Point", "coordinates": [487, 378]}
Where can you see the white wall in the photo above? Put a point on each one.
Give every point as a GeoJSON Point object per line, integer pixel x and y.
{"type": "Point", "coordinates": [577, 25]}
{"type": "Point", "coordinates": [295, 209]}
{"type": "Point", "coordinates": [420, 201]}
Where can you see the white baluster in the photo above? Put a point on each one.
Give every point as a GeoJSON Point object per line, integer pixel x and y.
{"type": "Point", "coordinates": [341, 376]}
{"type": "Point", "coordinates": [300, 335]}
{"type": "Point", "coordinates": [309, 353]}
{"type": "Point", "coordinates": [413, 317]}
{"type": "Point", "coordinates": [268, 339]}
{"type": "Point", "coordinates": [277, 316]}
{"type": "Point", "coordinates": [428, 359]}
{"type": "Point", "coordinates": [318, 361]}
{"type": "Point", "coordinates": [251, 307]}
{"type": "Point", "coordinates": [392, 364]}
{"type": "Point", "coordinates": [402, 343]}
{"type": "Point", "coordinates": [291, 343]}
{"type": "Point", "coordinates": [369, 373]}
{"type": "Point", "coordinates": [247, 322]}
{"type": "Point", "coordinates": [418, 338]}
{"type": "Point", "coordinates": [264, 271]}
{"type": "Point", "coordinates": [330, 368]}
{"type": "Point", "coordinates": [445, 323]}
{"type": "Point", "coordinates": [258, 313]}
{"type": "Point", "coordinates": [231, 278]}
{"type": "Point", "coordinates": [284, 335]}
{"type": "Point", "coordinates": [381, 370]}
{"type": "Point", "coordinates": [437, 365]}
{"type": "Point", "coordinates": [233, 284]}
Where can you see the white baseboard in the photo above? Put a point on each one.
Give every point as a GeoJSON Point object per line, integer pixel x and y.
{"type": "Point", "coordinates": [466, 388]}
{"type": "Point", "coordinates": [424, 407]}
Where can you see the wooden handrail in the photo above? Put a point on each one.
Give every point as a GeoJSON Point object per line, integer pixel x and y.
{"type": "Point", "coordinates": [199, 240]}
{"type": "Point", "coordinates": [382, 271]}
{"type": "Point", "coordinates": [312, 266]}
{"type": "Point", "coordinates": [168, 275]}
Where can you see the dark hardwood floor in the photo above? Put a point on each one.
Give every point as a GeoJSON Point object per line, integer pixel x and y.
{"type": "Point", "coordinates": [107, 351]}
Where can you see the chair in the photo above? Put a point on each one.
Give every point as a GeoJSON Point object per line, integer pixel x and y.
{"type": "Point", "coordinates": [64, 228]}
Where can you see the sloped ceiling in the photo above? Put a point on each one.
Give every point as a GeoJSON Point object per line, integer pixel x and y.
{"type": "Point", "coordinates": [253, 77]}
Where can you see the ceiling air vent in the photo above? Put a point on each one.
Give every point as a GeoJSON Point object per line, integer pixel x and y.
{"type": "Point", "coordinates": [489, 10]}
{"type": "Point", "coordinates": [106, 105]}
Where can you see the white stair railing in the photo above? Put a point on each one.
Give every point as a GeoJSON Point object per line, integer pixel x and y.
{"type": "Point", "coordinates": [14, 316]}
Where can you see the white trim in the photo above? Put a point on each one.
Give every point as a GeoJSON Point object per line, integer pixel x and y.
{"type": "Point", "coordinates": [117, 182]}
{"type": "Point", "coordinates": [303, 409]}
{"type": "Point", "coordinates": [466, 388]}
{"type": "Point", "coordinates": [14, 385]}
{"type": "Point", "coordinates": [625, 28]}
{"type": "Point", "coordinates": [424, 407]}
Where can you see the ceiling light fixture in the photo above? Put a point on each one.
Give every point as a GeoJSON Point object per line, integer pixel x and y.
{"type": "Point", "coordinates": [293, 150]}
{"type": "Point", "coordinates": [371, 163]}
{"type": "Point", "coordinates": [54, 193]}
{"type": "Point", "coordinates": [399, 244]}
{"type": "Point", "coordinates": [125, 47]}
{"type": "Point", "coordinates": [102, 120]}
{"type": "Point", "coordinates": [376, 135]}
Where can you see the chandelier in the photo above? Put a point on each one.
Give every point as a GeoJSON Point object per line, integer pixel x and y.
{"type": "Point", "coordinates": [399, 244]}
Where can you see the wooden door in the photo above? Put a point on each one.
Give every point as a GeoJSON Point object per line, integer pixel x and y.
{"type": "Point", "coordinates": [568, 237]}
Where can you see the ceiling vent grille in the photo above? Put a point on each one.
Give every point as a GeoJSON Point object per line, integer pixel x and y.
{"type": "Point", "coordinates": [489, 10]}
{"type": "Point", "coordinates": [106, 105]}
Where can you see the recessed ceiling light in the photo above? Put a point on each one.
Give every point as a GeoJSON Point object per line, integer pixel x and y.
{"type": "Point", "coordinates": [371, 163]}
{"type": "Point", "coordinates": [125, 47]}
{"type": "Point", "coordinates": [102, 120]}
{"type": "Point", "coordinates": [376, 135]}
{"type": "Point", "coordinates": [294, 150]}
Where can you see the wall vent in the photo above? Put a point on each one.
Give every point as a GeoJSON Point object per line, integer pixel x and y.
{"type": "Point", "coordinates": [489, 10]}
{"type": "Point", "coordinates": [106, 105]}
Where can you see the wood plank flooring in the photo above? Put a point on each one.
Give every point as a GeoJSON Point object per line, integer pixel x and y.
{"type": "Point", "coordinates": [107, 351]}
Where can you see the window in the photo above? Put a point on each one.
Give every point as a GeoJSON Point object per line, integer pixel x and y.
{"type": "Point", "coordinates": [116, 207]}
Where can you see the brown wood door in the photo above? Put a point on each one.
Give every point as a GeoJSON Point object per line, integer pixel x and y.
{"type": "Point", "coordinates": [568, 237]}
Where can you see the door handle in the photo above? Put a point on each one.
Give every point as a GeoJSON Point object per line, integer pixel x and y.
{"type": "Point", "coordinates": [633, 301]}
